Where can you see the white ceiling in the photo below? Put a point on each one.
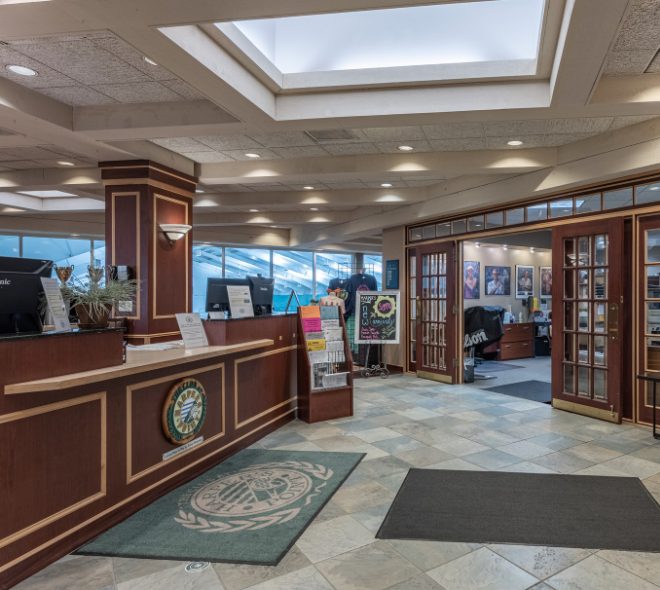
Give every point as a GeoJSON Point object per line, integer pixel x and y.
{"type": "Point", "coordinates": [589, 112]}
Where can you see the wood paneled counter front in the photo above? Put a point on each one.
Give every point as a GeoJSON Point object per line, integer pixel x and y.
{"type": "Point", "coordinates": [80, 452]}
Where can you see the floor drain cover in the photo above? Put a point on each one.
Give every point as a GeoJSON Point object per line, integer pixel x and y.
{"type": "Point", "coordinates": [197, 566]}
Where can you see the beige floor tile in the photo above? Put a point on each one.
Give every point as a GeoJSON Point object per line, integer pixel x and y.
{"type": "Point", "coordinates": [362, 496]}
{"type": "Point", "coordinates": [424, 456]}
{"type": "Point", "coordinates": [645, 565]}
{"type": "Point", "coordinates": [85, 573]}
{"type": "Point", "coordinates": [427, 555]}
{"type": "Point", "coordinates": [333, 537]}
{"type": "Point", "coordinates": [562, 463]}
{"type": "Point", "coordinates": [420, 582]}
{"type": "Point", "coordinates": [634, 466]}
{"type": "Point", "coordinates": [308, 578]}
{"type": "Point", "coordinates": [377, 434]}
{"type": "Point", "coordinates": [458, 464]}
{"type": "Point", "coordinates": [592, 452]}
{"type": "Point", "coordinates": [481, 570]}
{"type": "Point", "coordinates": [460, 446]}
{"type": "Point", "coordinates": [595, 573]}
{"type": "Point", "coordinates": [374, 567]}
{"type": "Point", "coordinates": [525, 449]}
{"type": "Point", "coordinates": [175, 578]}
{"type": "Point", "coordinates": [128, 569]}
{"type": "Point", "coordinates": [541, 562]}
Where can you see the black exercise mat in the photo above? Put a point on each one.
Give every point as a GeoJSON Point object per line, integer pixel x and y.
{"type": "Point", "coordinates": [582, 511]}
{"type": "Point", "coordinates": [534, 391]}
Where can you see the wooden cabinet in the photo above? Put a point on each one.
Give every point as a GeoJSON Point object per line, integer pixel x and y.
{"type": "Point", "coordinates": [517, 342]}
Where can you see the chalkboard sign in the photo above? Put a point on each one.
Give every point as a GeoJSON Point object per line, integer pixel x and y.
{"type": "Point", "coordinates": [377, 317]}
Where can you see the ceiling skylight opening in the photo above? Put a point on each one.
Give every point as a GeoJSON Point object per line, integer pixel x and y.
{"type": "Point", "coordinates": [433, 35]}
{"type": "Point", "coordinates": [46, 194]}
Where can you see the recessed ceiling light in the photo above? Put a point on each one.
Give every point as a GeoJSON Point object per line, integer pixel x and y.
{"type": "Point", "coordinates": [532, 250]}
{"type": "Point", "coordinates": [514, 142]}
{"type": "Point", "coordinates": [505, 247]}
{"type": "Point", "coordinates": [655, 188]}
{"type": "Point", "coordinates": [65, 163]}
{"type": "Point", "coordinates": [308, 188]}
{"type": "Point", "coordinates": [22, 70]}
{"type": "Point", "coordinates": [46, 194]}
{"type": "Point", "coordinates": [477, 245]}
{"type": "Point", "coordinates": [385, 184]}
{"type": "Point", "coordinates": [313, 208]}
{"type": "Point", "coordinates": [254, 210]}
{"type": "Point", "coordinates": [199, 191]}
{"type": "Point", "coordinates": [150, 61]}
{"type": "Point", "coordinates": [75, 235]}
{"type": "Point", "coordinates": [251, 155]}
{"type": "Point", "coordinates": [405, 148]}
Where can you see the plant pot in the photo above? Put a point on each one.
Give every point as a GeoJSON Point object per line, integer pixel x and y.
{"type": "Point", "coordinates": [89, 319]}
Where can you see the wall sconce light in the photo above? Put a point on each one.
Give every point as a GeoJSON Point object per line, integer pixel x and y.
{"type": "Point", "coordinates": [174, 231]}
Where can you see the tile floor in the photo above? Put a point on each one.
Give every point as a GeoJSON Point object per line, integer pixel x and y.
{"type": "Point", "coordinates": [532, 369]}
{"type": "Point", "coordinates": [403, 422]}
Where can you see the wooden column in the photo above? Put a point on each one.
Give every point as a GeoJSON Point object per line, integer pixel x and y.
{"type": "Point", "coordinates": [140, 195]}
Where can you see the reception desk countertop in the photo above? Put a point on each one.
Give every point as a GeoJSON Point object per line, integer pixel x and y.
{"type": "Point", "coordinates": [136, 362]}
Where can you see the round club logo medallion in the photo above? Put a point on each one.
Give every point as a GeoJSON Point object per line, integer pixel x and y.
{"type": "Point", "coordinates": [184, 411]}
{"type": "Point", "coordinates": [253, 498]}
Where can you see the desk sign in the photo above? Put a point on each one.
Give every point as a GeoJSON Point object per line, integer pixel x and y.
{"type": "Point", "coordinates": [240, 301]}
{"type": "Point", "coordinates": [192, 330]}
{"type": "Point", "coordinates": [56, 306]}
{"type": "Point", "coordinates": [377, 317]}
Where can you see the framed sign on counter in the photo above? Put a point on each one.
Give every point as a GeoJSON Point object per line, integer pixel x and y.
{"type": "Point", "coordinates": [378, 317]}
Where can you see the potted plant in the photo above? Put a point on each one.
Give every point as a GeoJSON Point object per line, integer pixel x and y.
{"type": "Point", "coordinates": [93, 303]}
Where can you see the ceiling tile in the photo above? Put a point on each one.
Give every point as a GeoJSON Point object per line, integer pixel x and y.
{"type": "Point", "coordinates": [394, 133]}
{"type": "Point", "coordinates": [208, 157]}
{"type": "Point", "coordinates": [139, 92]}
{"type": "Point", "coordinates": [514, 129]}
{"type": "Point", "coordinates": [119, 48]}
{"type": "Point", "coordinates": [284, 139]}
{"type": "Point", "coordinates": [267, 188]}
{"type": "Point", "coordinates": [78, 96]}
{"type": "Point", "coordinates": [579, 125]}
{"type": "Point", "coordinates": [622, 63]}
{"type": "Point", "coordinates": [346, 149]}
{"type": "Point", "coordinates": [412, 183]}
{"type": "Point", "coordinates": [620, 122]}
{"type": "Point", "coordinates": [240, 154]}
{"type": "Point", "coordinates": [228, 142]}
{"type": "Point", "coordinates": [31, 153]}
{"type": "Point", "coordinates": [47, 77]}
{"type": "Point", "coordinates": [182, 145]}
{"type": "Point", "coordinates": [392, 147]}
{"type": "Point", "coordinates": [454, 130]}
{"type": "Point", "coordinates": [347, 185]}
{"type": "Point", "coordinates": [182, 89]}
{"type": "Point", "coordinates": [21, 164]}
{"type": "Point", "coordinates": [452, 145]}
{"type": "Point", "coordinates": [300, 152]}
{"type": "Point", "coordinates": [232, 188]}
{"type": "Point", "coordinates": [641, 27]}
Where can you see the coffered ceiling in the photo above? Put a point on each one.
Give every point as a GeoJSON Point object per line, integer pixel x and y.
{"type": "Point", "coordinates": [200, 85]}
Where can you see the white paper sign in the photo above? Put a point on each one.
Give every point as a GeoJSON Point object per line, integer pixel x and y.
{"type": "Point", "coordinates": [56, 306]}
{"type": "Point", "coordinates": [240, 301]}
{"type": "Point", "coordinates": [192, 330]}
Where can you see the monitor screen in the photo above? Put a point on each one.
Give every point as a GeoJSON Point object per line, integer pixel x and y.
{"type": "Point", "coordinates": [216, 293]}
{"type": "Point", "coordinates": [21, 293]}
{"type": "Point", "coordinates": [261, 290]}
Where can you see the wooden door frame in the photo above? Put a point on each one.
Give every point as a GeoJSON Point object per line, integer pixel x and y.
{"type": "Point", "coordinates": [614, 228]}
{"type": "Point", "coordinates": [451, 325]}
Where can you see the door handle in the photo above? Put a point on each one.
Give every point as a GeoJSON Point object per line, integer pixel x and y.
{"type": "Point", "coordinates": [613, 321]}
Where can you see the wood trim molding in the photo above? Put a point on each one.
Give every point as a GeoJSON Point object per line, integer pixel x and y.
{"type": "Point", "coordinates": [109, 510]}
{"type": "Point", "coordinates": [39, 410]}
{"type": "Point", "coordinates": [590, 411]}
{"type": "Point", "coordinates": [130, 476]}
{"type": "Point", "coordinates": [237, 362]}
{"type": "Point", "coordinates": [155, 184]}
{"type": "Point", "coordinates": [156, 232]}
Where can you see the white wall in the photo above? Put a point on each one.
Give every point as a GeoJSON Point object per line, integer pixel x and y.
{"type": "Point", "coordinates": [494, 255]}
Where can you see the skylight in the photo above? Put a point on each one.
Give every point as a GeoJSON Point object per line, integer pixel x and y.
{"type": "Point", "coordinates": [458, 33]}
{"type": "Point", "coordinates": [46, 194]}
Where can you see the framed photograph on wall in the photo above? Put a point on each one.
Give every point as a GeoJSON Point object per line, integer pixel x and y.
{"type": "Point", "coordinates": [545, 285]}
{"type": "Point", "coordinates": [524, 281]}
{"type": "Point", "coordinates": [471, 274]}
{"type": "Point", "coordinates": [498, 280]}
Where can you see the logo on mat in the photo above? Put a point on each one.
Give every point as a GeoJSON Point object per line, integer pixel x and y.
{"type": "Point", "coordinates": [253, 498]}
{"type": "Point", "coordinates": [184, 411]}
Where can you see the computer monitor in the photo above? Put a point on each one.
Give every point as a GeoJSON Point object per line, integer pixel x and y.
{"type": "Point", "coordinates": [21, 293]}
{"type": "Point", "coordinates": [217, 298]}
{"type": "Point", "coordinates": [261, 290]}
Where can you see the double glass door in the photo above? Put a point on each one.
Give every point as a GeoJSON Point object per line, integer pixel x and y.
{"type": "Point", "coordinates": [435, 312]}
{"type": "Point", "coordinates": [587, 310]}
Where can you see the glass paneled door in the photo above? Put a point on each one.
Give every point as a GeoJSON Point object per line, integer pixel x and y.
{"type": "Point", "coordinates": [435, 312]}
{"type": "Point", "coordinates": [587, 314]}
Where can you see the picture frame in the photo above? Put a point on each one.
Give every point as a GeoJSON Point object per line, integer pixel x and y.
{"type": "Point", "coordinates": [524, 281]}
{"type": "Point", "coordinates": [471, 279]}
{"type": "Point", "coordinates": [498, 281]}
{"type": "Point", "coordinates": [545, 282]}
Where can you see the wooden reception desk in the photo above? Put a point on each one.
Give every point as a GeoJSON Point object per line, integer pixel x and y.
{"type": "Point", "coordinates": [81, 451]}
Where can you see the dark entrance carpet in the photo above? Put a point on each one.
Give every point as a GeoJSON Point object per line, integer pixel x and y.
{"type": "Point", "coordinates": [535, 391]}
{"type": "Point", "coordinates": [579, 511]}
{"type": "Point", "coordinates": [495, 367]}
{"type": "Point", "coordinates": [249, 509]}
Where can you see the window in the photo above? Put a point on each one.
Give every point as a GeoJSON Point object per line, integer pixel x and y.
{"type": "Point", "coordinates": [98, 249]}
{"type": "Point", "coordinates": [206, 263]}
{"type": "Point", "coordinates": [246, 261]}
{"type": "Point", "coordinates": [375, 262]}
{"type": "Point", "coordinates": [587, 203]}
{"type": "Point", "coordinates": [328, 266]}
{"type": "Point", "coordinates": [648, 193]}
{"type": "Point", "coordinates": [292, 270]}
{"type": "Point", "coordinates": [475, 223]}
{"type": "Point", "coordinates": [63, 251]}
{"type": "Point", "coordinates": [9, 246]}
{"type": "Point", "coordinates": [618, 198]}
{"type": "Point", "coordinates": [495, 219]}
{"type": "Point", "coordinates": [538, 212]}
{"type": "Point", "coordinates": [561, 208]}
{"type": "Point", "coordinates": [515, 216]}
{"type": "Point", "coordinates": [442, 230]}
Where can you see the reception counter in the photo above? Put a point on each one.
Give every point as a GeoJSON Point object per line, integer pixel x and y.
{"type": "Point", "coordinates": [81, 451]}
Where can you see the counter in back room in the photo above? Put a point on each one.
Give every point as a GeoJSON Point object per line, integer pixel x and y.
{"type": "Point", "coordinates": [79, 452]}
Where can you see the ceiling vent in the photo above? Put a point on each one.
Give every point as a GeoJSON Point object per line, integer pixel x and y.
{"type": "Point", "coordinates": [326, 135]}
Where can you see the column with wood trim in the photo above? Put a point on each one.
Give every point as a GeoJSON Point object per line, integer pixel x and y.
{"type": "Point", "coordinates": [140, 196]}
